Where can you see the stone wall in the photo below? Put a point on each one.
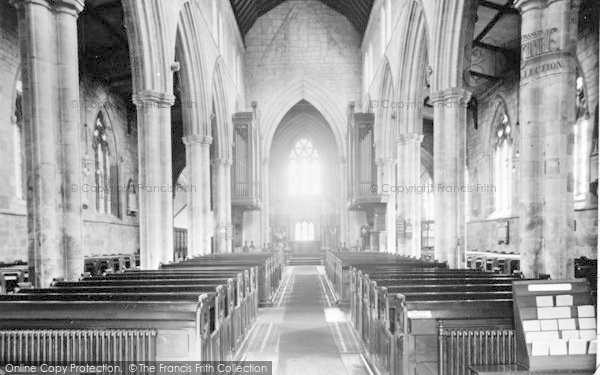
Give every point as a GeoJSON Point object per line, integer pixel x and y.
{"type": "Point", "coordinates": [13, 211]}
{"type": "Point", "coordinates": [101, 233]}
{"type": "Point", "coordinates": [482, 220]}
{"type": "Point", "coordinates": [302, 39]}
{"type": "Point", "coordinates": [115, 232]}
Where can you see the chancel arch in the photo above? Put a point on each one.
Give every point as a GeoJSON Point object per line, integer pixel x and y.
{"type": "Point", "coordinates": [318, 96]}
{"type": "Point", "coordinates": [304, 180]}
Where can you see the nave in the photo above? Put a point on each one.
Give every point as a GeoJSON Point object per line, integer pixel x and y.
{"type": "Point", "coordinates": [358, 313]}
{"type": "Point", "coordinates": [305, 332]}
{"type": "Point", "coordinates": [439, 157]}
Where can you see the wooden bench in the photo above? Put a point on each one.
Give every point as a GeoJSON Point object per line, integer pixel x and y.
{"type": "Point", "coordinates": [200, 314]}
{"type": "Point", "coordinates": [270, 269]}
{"type": "Point", "coordinates": [399, 308]}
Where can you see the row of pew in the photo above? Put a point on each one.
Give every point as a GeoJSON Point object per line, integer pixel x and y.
{"type": "Point", "coordinates": [420, 317]}
{"type": "Point", "coordinates": [12, 275]}
{"type": "Point", "coordinates": [197, 310]}
{"type": "Point", "coordinates": [110, 263]}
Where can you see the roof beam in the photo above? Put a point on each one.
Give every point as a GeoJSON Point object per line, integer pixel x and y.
{"type": "Point", "coordinates": [491, 47]}
{"type": "Point", "coordinates": [483, 75]}
{"type": "Point", "coordinates": [489, 27]}
{"type": "Point", "coordinates": [506, 9]}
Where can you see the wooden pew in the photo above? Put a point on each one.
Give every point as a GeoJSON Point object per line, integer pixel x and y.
{"type": "Point", "coordinates": [211, 306]}
{"type": "Point", "coordinates": [399, 307]}
{"type": "Point", "coordinates": [269, 271]}
{"type": "Point", "coordinates": [94, 326]}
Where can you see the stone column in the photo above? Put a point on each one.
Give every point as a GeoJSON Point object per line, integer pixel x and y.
{"type": "Point", "coordinates": [67, 12]}
{"type": "Point", "coordinates": [222, 168]}
{"type": "Point", "coordinates": [155, 177]}
{"type": "Point", "coordinates": [36, 35]}
{"type": "Point", "coordinates": [197, 148]}
{"type": "Point", "coordinates": [343, 202]}
{"type": "Point", "coordinates": [409, 195]}
{"type": "Point", "coordinates": [48, 40]}
{"type": "Point", "coordinates": [450, 119]}
{"type": "Point", "coordinates": [265, 215]}
{"type": "Point", "coordinates": [547, 114]}
{"type": "Point", "coordinates": [389, 180]}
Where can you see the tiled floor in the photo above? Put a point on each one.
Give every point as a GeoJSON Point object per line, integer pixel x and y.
{"type": "Point", "coordinates": [303, 333]}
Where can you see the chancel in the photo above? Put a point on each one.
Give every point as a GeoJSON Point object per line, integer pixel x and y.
{"type": "Point", "coordinates": [402, 187]}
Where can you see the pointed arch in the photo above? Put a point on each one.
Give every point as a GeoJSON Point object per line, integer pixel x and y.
{"type": "Point", "coordinates": [149, 26]}
{"type": "Point", "coordinates": [221, 139]}
{"type": "Point", "coordinates": [451, 36]}
{"type": "Point", "coordinates": [413, 68]}
{"type": "Point", "coordinates": [195, 99]}
{"type": "Point", "coordinates": [314, 93]}
{"type": "Point", "coordinates": [385, 118]}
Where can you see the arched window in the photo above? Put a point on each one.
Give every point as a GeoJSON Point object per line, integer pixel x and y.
{"type": "Point", "coordinates": [304, 231]}
{"type": "Point", "coordinates": [582, 149]}
{"type": "Point", "coordinates": [385, 24]}
{"type": "Point", "coordinates": [427, 203]}
{"type": "Point", "coordinates": [388, 21]}
{"type": "Point", "coordinates": [503, 162]}
{"type": "Point", "coordinates": [383, 29]}
{"type": "Point", "coordinates": [304, 172]}
{"type": "Point", "coordinates": [215, 20]}
{"type": "Point", "coordinates": [106, 201]}
{"type": "Point", "coordinates": [18, 144]}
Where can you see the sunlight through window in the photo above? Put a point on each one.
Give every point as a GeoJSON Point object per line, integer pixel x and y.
{"type": "Point", "coordinates": [304, 172]}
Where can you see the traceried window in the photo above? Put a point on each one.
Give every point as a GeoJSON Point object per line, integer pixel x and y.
{"type": "Point", "coordinates": [304, 231]}
{"type": "Point", "coordinates": [582, 150]}
{"type": "Point", "coordinates": [215, 20]}
{"type": "Point", "coordinates": [385, 24]}
{"type": "Point", "coordinates": [304, 170]}
{"type": "Point", "coordinates": [18, 144]}
{"type": "Point", "coordinates": [428, 203]}
{"type": "Point", "coordinates": [106, 174]}
{"type": "Point", "coordinates": [388, 21]}
{"type": "Point", "coordinates": [503, 162]}
{"type": "Point", "coordinates": [383, 29]}
{"type": "Point", "coordinates": [102, 163]}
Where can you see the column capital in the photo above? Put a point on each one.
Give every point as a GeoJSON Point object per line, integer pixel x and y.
{"type": "Point", "coordinates": [342, 159]}
{"type": "Point", "coordinates": [197, 139]}
{"type": "Point", "coordinates": [409, 137]}
{"type": "Point", "coordinates": [151, 98]}
{"type": "Point", "coordinates": [527, 5]}
{"type": "Point", "coordinates": [450, 96]}
{"type": "Point", "coordinates": [73, 7]}
{"type": "Point", "coordinates": [19, 4]}
{"type": "Point", "coordinates": [266, 160]}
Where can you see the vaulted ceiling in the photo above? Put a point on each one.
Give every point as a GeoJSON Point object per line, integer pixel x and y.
{"type": "Point", "coordinates": [247, 11]}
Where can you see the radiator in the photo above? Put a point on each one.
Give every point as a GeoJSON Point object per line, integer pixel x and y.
{"type": "Point", "coordinates": [460, 348]}
{"type": "Point", "coordinates": [31, 347]}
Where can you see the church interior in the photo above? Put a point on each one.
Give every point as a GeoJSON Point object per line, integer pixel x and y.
{"type": "Point", "coordinates": [402, 187]}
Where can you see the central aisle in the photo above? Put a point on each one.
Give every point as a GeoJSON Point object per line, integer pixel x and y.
{"type": "Point", "coordinates": [303, 333]}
